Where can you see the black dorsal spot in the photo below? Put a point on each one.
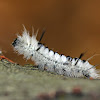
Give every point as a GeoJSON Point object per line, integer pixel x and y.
{"type": "Point", "coordinates": [39, 43]}
{"type": "Point", "coordinates": [68, 56]}
{"type": "Point", "coordinates": [69, 59]}
{"type": "Point", "coordinates": [55, 52]}
{"type": "Point", "coordinates": [50, 50]}
{"type": "Point", "coordinates": [46, 47]}
{"type": "Point", "coordinates": [76, 58]}
{"type": "Point", "coordinates": [62, 54]}
{"type": "Point", "coordinates": [84, 61]}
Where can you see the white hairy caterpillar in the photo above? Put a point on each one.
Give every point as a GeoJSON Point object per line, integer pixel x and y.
{"type": "Point", "coordinates": [51, 61]}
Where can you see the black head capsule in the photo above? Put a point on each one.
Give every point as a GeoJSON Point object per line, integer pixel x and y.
{"type": "Point", "coordinates": [15, 42]}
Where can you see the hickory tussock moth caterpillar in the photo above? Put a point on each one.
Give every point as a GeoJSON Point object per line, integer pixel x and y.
{"type": "Point", "coordinates": [51, 61]}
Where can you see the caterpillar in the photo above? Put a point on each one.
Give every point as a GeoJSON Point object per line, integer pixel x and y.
{"type": "Point", "coordinates": [51, 61]}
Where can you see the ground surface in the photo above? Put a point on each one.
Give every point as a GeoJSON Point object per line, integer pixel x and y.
{"type": "Point", "coordinates": [26, 82]}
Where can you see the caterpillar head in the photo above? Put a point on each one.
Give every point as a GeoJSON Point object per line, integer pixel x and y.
{"type": "Point", "coordinates": [25, 44]}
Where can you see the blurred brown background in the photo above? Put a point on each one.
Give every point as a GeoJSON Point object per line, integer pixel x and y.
{"type": "Point", "coordinates": [72, 26]}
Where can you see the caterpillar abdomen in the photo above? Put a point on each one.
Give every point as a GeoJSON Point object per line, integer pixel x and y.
{"type": "Point", "coordinates": [52, 61]}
